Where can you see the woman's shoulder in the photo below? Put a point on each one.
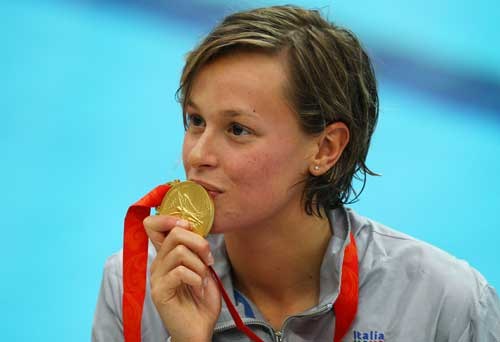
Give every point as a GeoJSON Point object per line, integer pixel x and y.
{"type": "Point", "coordinates": [380, 244]}
{"type": "Point", "coordinates": [419, 275]}
{"type": "Point", "coordinates": [113, 264]}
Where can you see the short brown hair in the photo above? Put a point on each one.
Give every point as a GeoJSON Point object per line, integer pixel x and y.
{"type": "Point", "coordinates": [331, 79]}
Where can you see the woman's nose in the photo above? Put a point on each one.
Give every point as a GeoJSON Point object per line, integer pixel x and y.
{"type": "Point", "coordinates": [203, 152]}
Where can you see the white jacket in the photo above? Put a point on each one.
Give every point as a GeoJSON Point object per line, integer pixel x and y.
{"type": "Point", "coordinates": [408, 291]}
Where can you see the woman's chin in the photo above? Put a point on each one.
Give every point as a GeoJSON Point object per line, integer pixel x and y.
{"type": "Point", "coordinates": [218, 228]}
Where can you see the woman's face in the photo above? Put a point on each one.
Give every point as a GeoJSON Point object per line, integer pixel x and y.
{"type": "Point", "coordinates": [244, 143]}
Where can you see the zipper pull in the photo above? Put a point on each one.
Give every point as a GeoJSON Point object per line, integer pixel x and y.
{"type": "Point", "coordinates": [278, 335]}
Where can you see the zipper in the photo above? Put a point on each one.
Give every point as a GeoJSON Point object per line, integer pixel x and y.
{"type": "Point", "coordinates": [246, 321]}
{"type": "Point", "coordinates": [278, 335]}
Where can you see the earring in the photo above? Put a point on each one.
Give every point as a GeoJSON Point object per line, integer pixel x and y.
{"type": "Point", "coordinates": [316, 167]}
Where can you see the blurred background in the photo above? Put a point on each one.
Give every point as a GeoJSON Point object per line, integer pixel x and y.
{"type": "Point", "coordinates": [89, 124]}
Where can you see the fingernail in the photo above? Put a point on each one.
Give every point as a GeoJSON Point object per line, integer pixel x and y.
{"type": "Point", "coordinates": [210, 259]}
{"type": "Point", "coordinates": [205, 282]}
{"type": "Point", "coordinates": [202, 292]}
{"type": "Point", "coordinates": [182, 223]}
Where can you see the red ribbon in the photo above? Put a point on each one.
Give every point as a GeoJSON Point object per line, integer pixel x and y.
{"type": "Point", "coordinates": [234, 313]}
{"type": "Point", "coordinates": [135, 261]}
{"type": "Point", "coordinates": [346, 305]}
{"type": "Point", "coordinates": [135, 258]}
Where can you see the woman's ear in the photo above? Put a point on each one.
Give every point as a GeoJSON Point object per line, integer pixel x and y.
{"type": "Point", "coordinates": [331, 144]}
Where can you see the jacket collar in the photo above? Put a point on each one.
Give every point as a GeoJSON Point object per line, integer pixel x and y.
{"type": "Point", "coordinates": [329, 274]}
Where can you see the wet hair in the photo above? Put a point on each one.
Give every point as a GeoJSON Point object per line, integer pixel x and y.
{"type": "Point", "coordinates": [331, 79]}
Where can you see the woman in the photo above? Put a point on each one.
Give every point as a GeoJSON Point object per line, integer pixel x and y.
{"type": "Point", "coordinates": [279, 108]}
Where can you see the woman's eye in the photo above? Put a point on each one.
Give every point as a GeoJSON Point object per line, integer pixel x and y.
{"type": "Point", "coordinates": [194, 120]}
{"type": "Point", "coordinates": [238, 130]}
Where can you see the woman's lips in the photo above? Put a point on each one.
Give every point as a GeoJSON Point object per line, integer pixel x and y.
{"type": "Point", "coordinates": [213, 193]}
{"type": "Point", "coordinates": [212, 190]}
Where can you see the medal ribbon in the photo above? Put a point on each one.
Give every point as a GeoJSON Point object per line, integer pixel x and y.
{"type": "Point", "coordinates": [346, 304]}
{"type": "Point", "coordinates": [135, 259]}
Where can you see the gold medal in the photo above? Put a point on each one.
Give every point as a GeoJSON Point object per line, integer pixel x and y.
{"type": "Point", "coordinates": [190, 201]}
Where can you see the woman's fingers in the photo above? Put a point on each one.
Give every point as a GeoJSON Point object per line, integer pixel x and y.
{"type": "Point", "coordinates": [179, 256]}
{"type": "Point", "coordinates": [182, 259]}
{"type": "Point", "coordinates": [158, 226]}
{"type": "Point", "coordinates": [194, 242]}
{"type": "Point", "coordinates": [169, 285]}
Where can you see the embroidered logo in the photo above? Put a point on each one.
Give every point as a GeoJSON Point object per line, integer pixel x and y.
{"type": "Point", "coordinates": [368, 336]}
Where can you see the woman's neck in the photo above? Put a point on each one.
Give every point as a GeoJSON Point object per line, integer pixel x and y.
{"type": "Point", "coordinates": [277, 265]}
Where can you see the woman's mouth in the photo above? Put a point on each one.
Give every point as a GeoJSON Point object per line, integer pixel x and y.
{"type": "Point", "coordinates": [212, 190]}
{"type": "Point", "coordinates": [213, 194]}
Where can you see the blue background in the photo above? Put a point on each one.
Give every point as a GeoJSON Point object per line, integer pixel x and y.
{"type": "Point", "coordinates": [90, 123]}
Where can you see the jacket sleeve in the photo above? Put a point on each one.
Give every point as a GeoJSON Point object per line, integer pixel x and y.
{"type": "Point", "coordinates": [486, 323]}
{"type": "Point", "coordinates": [107, 325]}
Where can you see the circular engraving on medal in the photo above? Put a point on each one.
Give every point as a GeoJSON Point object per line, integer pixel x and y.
{"type": "Point", "coordinates": [191, 202]}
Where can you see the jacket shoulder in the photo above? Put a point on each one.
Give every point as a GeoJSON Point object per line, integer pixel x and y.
{"type": "Point", "coordinates": [379, 244]}
{"type": "Point", "coordinates": [421, 277]}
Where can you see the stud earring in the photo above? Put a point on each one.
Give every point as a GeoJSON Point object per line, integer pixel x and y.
{"type": "Point", "coordinates": [316, 168]}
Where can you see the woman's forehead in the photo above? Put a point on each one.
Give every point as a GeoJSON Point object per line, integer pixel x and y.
{"type": "Point", "coordinates": [229, 113]}
{"type": "Point", "coordinates": [244, 68]}
{"type": "Point", "coordinates": [239, 78]}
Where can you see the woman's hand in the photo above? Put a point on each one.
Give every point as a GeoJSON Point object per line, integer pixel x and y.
{"type": "Point", "coordinates": [182, 288]}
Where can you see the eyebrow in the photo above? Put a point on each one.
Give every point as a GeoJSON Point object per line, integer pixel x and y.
{"type": "Point", "coordinates": [231, 113]}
